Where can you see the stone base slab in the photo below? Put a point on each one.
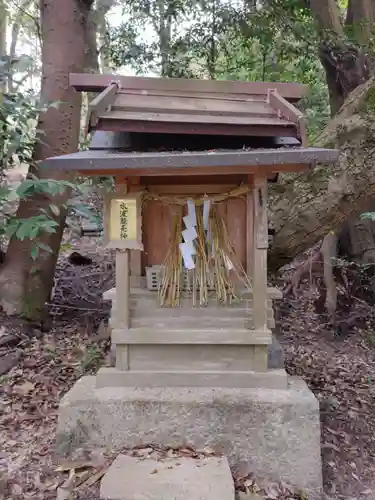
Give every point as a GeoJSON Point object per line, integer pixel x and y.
{"type": "Point", "coordinates": [276, 431]}
{"type": "Point", "coordinates": [130, 478]}
{"type": "Point", "coordinates": [112, 377]}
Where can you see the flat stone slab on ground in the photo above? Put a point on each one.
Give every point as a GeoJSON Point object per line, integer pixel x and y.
{"type": "Point", "coordinates": [183, 478]}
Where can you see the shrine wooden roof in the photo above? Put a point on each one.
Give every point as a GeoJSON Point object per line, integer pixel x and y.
{"type": "Point", "coordinates": [179, 106]}
{"type": "Point", "coordinates": [105, 162]}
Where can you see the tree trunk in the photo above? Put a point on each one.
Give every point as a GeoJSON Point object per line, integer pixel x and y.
{"type": "Point", "coordinates": [3, 44]}
{"type": "Point", "coordinates": [163, 26]}
{"type": "Point", "coordinates": [16, 27]}
{"type": "Point", "coordinates": [26, 284]}
{"type": "Point", "coordinates": [308, 207]}
{"type": "Point", "coordinates": [326, 197]}
{"type": "Point", "coordinates": [96, 32]}
{"type": "Point", "coordinates": [346, 65]}
{"type": "Point", "coordinates": [361, 17]}
{"type": "Point", "coordinates": [92, 55]}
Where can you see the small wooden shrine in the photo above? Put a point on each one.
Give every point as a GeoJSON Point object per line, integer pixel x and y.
{"type": "Point", "coordinates": [188, 222]}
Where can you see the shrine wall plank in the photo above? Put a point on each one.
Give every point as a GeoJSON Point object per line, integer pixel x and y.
{"type": "Point", "coordinates": [157, 223]}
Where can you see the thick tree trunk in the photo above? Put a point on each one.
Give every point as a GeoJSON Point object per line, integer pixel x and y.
{"type": "Point", "coordinates": [326, 197]}
{"type": "Point", "coordinates": [25, 284]}
{"type": "Point", "coordinates": [308, 207]}
{"type": "Point", "coordinates": [346, 65]}
{"type": "Point", "coordinates": [92, 55]}
{"type": "Point", "coordinates": [3, 43]}
{"type": "Point", "coordinates": [96, 32]}
{"type": "Point", "coordinates": [361, 17]}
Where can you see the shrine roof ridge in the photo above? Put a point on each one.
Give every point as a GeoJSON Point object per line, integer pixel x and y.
{"type": "Point", "coordinates": [91, 82]}
{"type": "Point", "coordinates": [172, 105]}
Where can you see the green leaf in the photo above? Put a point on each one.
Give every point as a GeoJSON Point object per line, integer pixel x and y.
{"type": "Point", "coordinates": [45, 247]}
{"type": "Point", "coordinates": [34, 252]}
{"type": "Point", "coordinates": [34, 232]}
{"type": "Point", "coordinates": [55, 104]}
{"type": "Point", "coordinates": [4, 192]}
{"type": "Point", "coordinates": [12, 227]}
{"type": "Point", "coordinates": [49, 229]}
{"type": "Point", "coordinates": [23, 231]}
{"type": "Point", "coordinates": [55, 210]}
{"type": "Point", "coordinates": [26, 188]}
{"type": "Point", "coordinates": [65, 247]}
{"type": "Point", "coordinates": [368, 215]}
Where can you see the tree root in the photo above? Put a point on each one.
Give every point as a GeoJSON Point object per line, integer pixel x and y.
{"type": "Point", "coordinates": [311, 265]}
{"type": "Point", "coordinates": [321, 262]}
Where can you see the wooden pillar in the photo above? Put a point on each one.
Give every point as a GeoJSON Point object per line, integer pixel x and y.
{"type": "Point", "coordinates": [122, 270]}
{"type": "Point", "coordinates": [135, 255]}
{"type": "Point", "coordinates": [122, 305]}
{"type": "Point", "coordinates": [249, 233]}
{"type": "Point", "coordinates": [260, 247]}
{"type": "Point", "coordinates": [136, 269]}
{"type": "Point", "coordinates": [122, 288]}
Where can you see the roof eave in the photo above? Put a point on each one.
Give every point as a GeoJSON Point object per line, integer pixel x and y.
{"type": "Point", "coordinates": [196, 163]}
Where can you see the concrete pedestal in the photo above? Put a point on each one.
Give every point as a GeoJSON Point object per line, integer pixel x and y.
{"type": "Point", "coordinates": [276, 430]}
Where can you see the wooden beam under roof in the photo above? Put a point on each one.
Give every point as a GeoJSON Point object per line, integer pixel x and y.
{"type": "Point", "coordinates": [101, 104]}
{"type": "Point", "coordinates": [286, 110]}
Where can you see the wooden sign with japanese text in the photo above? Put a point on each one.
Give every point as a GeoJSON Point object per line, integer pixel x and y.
{"type": "Point", "coordinates": [122, 222]}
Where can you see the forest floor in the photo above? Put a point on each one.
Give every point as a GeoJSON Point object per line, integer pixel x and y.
{"type": "Point", "coordinates": [340, 371]}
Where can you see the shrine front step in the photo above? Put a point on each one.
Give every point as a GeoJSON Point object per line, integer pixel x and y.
{"type": "Point", "coordinates": [144, 303]}
{"type": "Point", "coordinates": [194, 351]}
{"type": "Point", "coordinates": [136, 292]}
{"type": "Point", "coordinates": [112, 377]}
{"type": "Point", "coordinates": [191, 322]}
{"type": "Point", "coordinates": [215, 336]}
{"type": "Point", "coordinates": [153, 308]}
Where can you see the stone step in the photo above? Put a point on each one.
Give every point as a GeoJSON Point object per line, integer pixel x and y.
{"type": "Point", "coordinates": [272, 293]}
{"type": "Point", "coordinates": [111, 377]}
{"type": "Point", "coordinates": [186, 322]}
{"type": "Point", "coordinates": [230, 336]}
{"type": "Point", "coordinates": [159, 313]}
{"type": "Point", "coordinates": [168, 478]}
{"type": "Point", "coordinates": [187, 305]}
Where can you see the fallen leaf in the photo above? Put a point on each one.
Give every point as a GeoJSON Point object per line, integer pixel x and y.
{"type": "Point", "coordinates": [206, 451]}
{"type": "Point", "coordinates": [241, 495]}
{"type": "Point", "coordinates": [52, 485]}
{"type": "Point", "coordinates": [64, 494]}
{"type": "Point", "coordinates": [272, 493]}
{"type": "Point", "coordinates": [16, 490]}
{"type": "Point", "coordinates": [142, 452]}
{"type": "Point", "coordinates": [24, 388]}
{"type": "Point", "coordinates": [330, 446]}
{"type": "Point", "coordinates": [94, 478]}
{"type": "Point", "coordinates": [75, 465]}
{"type": "Point", "coordinates": [82, 477]}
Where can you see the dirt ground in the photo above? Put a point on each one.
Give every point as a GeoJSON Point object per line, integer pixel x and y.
{"type": "Point", "coordinates": [340, 371]}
